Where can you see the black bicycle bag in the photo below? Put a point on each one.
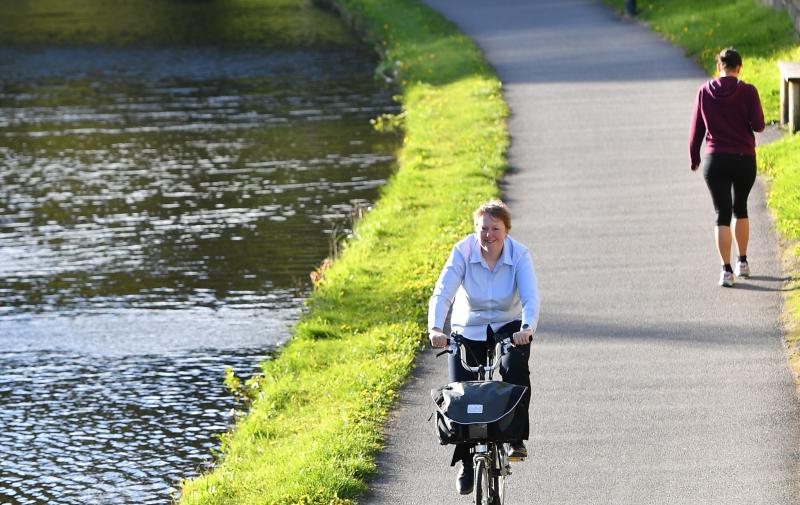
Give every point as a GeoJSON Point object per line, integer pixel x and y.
{"type": "Point", "coordinates": [479, 411]}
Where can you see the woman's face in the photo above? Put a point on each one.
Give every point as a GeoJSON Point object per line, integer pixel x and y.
{"type": "Point", "coordinates": [491, 234]}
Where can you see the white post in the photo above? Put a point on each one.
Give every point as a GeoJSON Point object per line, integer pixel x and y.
{"type": "Point", "coordinates": [784, 98]}
{"type": "Point", "coordinates": [794, 105]}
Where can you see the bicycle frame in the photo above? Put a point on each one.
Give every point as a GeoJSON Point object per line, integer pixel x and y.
{"type": "Point", "coordinates": [490, 459]}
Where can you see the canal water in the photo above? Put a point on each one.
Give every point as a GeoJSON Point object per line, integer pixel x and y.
{"type": "Point", "coordinates": [160, 211]}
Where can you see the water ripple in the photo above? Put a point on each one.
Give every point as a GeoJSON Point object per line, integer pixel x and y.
{"type": "Point", "coordinates": [160, 210]}
{"type": "Point", "coordinates": [96, 430]}
{"type": "Point", "coordinates": [140, 188]}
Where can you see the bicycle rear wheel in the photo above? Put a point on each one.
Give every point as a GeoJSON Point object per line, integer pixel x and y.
{"type": "Point", "coordinates": [482, 495]}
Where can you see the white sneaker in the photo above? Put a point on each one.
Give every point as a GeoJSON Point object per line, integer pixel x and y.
{"type": "Point", "coordinates": [742, 269]}
{"type": "Point", "coordinates": [726, 279]}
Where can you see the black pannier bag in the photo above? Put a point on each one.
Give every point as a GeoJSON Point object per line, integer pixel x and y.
{"type": "Point", "coordinates": [473, 411]}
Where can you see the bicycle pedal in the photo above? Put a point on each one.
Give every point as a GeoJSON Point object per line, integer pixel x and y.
{"type": "Point", "coordinates": [516, 459]}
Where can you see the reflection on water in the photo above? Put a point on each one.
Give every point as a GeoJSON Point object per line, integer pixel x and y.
{"type": "Point", "coordinates": [167, 186]}
{"type": "Point", "coordinates": [83, 429]}
{"type": "Point", "coordinates": [160, 211]}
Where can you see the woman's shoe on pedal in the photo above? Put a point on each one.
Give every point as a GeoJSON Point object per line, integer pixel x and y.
{"type": "Point", "coordinates": [517, 451]}
{"type": "Point", "coordinates": [465, 480]}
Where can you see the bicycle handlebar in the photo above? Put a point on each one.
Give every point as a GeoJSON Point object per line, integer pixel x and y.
{"type": "Point", "coordinates": [456, 340]}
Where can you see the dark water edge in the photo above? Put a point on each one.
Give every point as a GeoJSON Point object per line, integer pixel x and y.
{"type": "Point", "coordinates": [160, 210]}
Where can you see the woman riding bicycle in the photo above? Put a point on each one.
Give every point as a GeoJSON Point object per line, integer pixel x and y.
{"type": "Point", "coordinates": [490, 282]}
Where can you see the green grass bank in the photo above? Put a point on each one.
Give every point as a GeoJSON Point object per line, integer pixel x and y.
{"type": "Point", "coordinates": [764, 36]}
{"type": "Point", "coordinates": [277, 24]}
{"type": "Point", "coordinates": [316, 421]}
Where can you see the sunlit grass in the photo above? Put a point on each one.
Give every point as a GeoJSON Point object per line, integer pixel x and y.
{"type": "Point", "coordinates": [312, 432]}
{"type": "Point", "coordinates": [780, 163]}
{"type": "Point", "coordinates": [764, 36]}
{"type": "Point", "coordinates": [263, 23]}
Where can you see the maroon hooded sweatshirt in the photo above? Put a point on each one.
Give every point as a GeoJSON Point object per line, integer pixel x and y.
{"type": "Point", "coordinates": [726, 112]}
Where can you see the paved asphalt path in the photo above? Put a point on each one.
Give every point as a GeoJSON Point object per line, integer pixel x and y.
{"type": "Point", "coordinates": [651, 385]}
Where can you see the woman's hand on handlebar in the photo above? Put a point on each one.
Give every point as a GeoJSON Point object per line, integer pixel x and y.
{"type": "Point", "coordinates": [438, 339]}
{"type": "Point", "coordinates": [522, 337]}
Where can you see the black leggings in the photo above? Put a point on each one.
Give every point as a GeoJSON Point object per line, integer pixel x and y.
{"type": "Point", "coordinates": [724, 171]}
{"type": "Point", "coordinates": [513, 369]}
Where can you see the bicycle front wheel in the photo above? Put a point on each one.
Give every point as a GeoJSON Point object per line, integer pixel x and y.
{"type": "Point", "coordinates": [482, 496]}
{"type": "Point", "coordinates": [498, 490]}
{"type": "Point", "coordinates": [498, 478]}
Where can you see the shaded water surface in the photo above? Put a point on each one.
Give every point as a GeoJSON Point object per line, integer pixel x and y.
{"type": "Point", "coordinates": [88, 429]}
{"type": "Point", "coordinates": [160, 210]}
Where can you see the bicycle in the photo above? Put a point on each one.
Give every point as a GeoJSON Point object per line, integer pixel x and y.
{"type": "Point", "coordinates": [491, 462]}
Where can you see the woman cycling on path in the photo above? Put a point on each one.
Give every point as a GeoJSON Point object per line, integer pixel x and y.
{"type": "Point", "coordinates": [490, 282]}
{"type": "Point", "coordinates": [726, 113]}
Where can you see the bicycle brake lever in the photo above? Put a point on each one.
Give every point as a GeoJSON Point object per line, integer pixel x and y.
{"type": "Point", "coordinates": [452, 347]}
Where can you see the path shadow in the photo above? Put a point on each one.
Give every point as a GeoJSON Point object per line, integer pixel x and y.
{"type": "Point", "coordinates": [504, 185]}
{"type": "Point", "coordinates": [782, 284]}
{"type": "Point", "coordinates": [570, 326]}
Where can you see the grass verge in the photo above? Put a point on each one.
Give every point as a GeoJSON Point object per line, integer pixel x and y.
{"type": "Point", "coordinates": [275, 24]}
{"type": "Point", "coordinates": [764, 36]}
{"type": "Point", "coordinates": [316, 420]}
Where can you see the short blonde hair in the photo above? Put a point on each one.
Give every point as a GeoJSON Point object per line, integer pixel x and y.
{"type": "Point", "coordinates": [496, 209]}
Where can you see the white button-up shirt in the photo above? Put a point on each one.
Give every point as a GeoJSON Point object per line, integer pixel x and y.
{"type": "Point", "coordinates": [482, 297]}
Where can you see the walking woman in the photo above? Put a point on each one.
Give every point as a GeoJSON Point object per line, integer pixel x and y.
{"type": "Point", "coordinates": [490, 283]}
{"type": "Point", "coordinates": [726, 113]}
